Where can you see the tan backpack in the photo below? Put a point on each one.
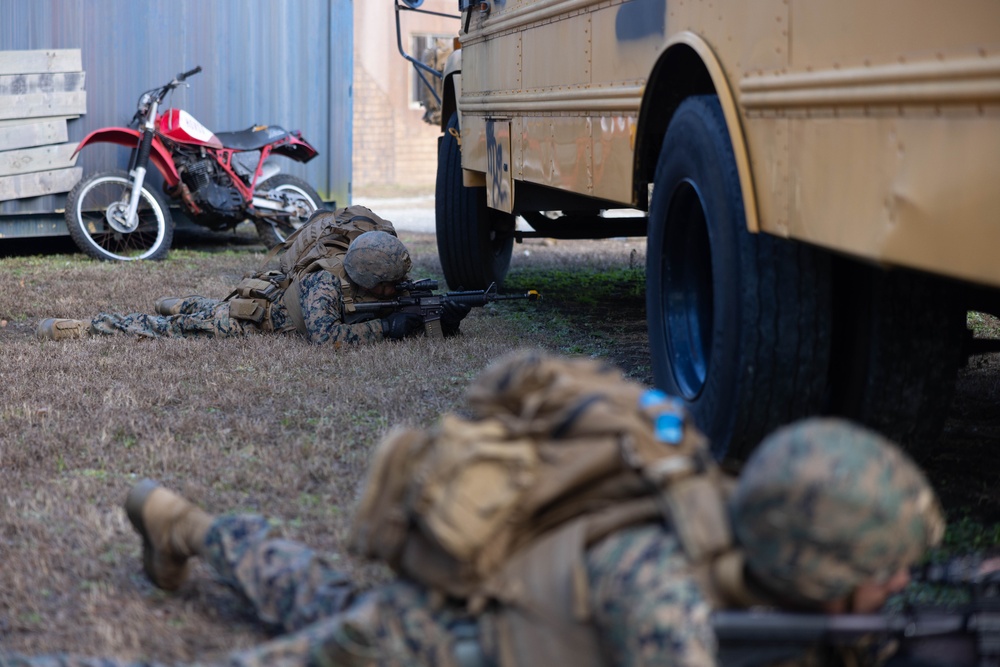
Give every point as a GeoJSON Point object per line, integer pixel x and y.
{"type": "Point", "coordinates": [498, 510]}
{"type": "Point", "coordinates": [317, 245]}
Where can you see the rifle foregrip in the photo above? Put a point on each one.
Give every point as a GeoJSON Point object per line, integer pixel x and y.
{"type": "Point", "coordinates": [483, 297]}
{"type": "Point", "coordinates": [467, 298]}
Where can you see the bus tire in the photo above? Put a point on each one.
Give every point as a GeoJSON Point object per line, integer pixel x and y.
{"type": "Point", "coordinates": [739, 323]}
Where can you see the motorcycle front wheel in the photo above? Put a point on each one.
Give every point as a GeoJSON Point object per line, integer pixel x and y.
{"type": "Point", "coordinates": [296, 193]}
{"type": "Point", "coordinates": [95, 218]}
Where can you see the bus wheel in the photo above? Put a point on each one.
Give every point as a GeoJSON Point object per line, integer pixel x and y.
{"type": "Point", "coordinates": [739, 323]}
{"type": "Point", "coordinates": [474, 241]}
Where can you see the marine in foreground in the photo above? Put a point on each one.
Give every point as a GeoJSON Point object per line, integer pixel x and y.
{"type": "Point", "coordinates": [575, 518]}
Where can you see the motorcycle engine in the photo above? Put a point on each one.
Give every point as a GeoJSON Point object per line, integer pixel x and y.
{"type": "Point", "coordinates": [212, 188]}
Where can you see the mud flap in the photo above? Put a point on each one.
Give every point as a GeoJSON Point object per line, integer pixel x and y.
{"type": "Point", "coordinates": [499, 175]}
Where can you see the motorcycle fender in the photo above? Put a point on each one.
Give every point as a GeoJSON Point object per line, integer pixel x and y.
{"type": "Point", "coordinates": [128, 137]}
{"type": "Point", "coordinates": [295, 147]}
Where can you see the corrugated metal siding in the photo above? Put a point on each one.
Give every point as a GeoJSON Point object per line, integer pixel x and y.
{"type": "Point", "coordinates": [278, 62]}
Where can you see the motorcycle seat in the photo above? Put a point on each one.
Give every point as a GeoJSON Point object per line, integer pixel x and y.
{"type": "Point", "coordinates": [252, 138]}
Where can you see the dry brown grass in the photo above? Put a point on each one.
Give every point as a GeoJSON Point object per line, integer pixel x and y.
{"type": "Point", "coordinates": [276, 426]}
{"type": "Point", "coordinates": [267, 424]}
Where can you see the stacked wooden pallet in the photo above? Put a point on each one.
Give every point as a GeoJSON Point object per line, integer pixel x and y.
{"type": "Point", "coordinates": [39, 92]}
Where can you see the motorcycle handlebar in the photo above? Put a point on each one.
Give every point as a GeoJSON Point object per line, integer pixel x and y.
{"type": "Point", "coordinates": [178, 80]}
{"type": "Point", "coordinates": [181, 77]}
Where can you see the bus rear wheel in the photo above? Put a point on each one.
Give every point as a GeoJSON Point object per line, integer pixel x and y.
{"type": "Point", "coordinates": [739, 323]}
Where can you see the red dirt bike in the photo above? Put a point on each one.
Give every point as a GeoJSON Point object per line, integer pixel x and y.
{"type": "Point", "coordinates": [220, 180]}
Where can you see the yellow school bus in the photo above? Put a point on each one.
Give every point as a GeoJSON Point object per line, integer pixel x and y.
{"type": "Point", "coordinates": [818, 182]}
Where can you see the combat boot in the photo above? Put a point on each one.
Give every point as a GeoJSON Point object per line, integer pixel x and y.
{"type": "Point", "coordinates": [56, 329]}
{"type": "Point", "coordinates": [172, 530]}
{"type": "Point", "coordinates": [168, 305]}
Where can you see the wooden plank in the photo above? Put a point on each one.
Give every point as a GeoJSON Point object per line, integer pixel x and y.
{"type": "Point", "coordinates": [45, 158]}
{"type": "Point", "coordinates": [43, 104]}
{"type": "Point", "coordinates": [23, 84]}
{"type": "Point", "coordinates": [39, 183]}
{"type": "Point", "coordinates": [46, 60]}
{"type": "Point", "coordinates": [40, 119]}
{"type": "Point", "coordinates": [25, 133]}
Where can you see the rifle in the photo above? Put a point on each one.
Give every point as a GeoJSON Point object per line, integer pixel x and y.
{"type": "Point", "coordinates": [968, 634]}
{"type": "Point", "coordinates": [418, 297]}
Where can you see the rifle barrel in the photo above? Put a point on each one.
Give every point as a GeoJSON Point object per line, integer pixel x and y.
{"type": "Point", "coordinates": [482, 297]}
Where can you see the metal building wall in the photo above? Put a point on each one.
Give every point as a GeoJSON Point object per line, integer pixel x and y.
{"type": "Point", "coordinates": [277, 62]}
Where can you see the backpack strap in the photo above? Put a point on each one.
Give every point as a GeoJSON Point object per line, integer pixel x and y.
{"type": "Point", "coordinates": [543, 617]}
{"type": "Point", "coordinates": [292, 302]}
{"type": "Point", "coordinates": [292, 298]}
{"type": "Point", "coordinates": [348, 292]}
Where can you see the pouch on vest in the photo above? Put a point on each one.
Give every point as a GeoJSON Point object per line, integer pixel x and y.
{"type": "Point", "coordinates": [257, 288]}
{"type": "Point", "coordinates": [251, 310]}
{"type": "Point", "coordinates": [251, 300]}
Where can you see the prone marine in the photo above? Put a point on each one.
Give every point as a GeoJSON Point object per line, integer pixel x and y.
{"type": "Point", "coordinates": [333, 261]}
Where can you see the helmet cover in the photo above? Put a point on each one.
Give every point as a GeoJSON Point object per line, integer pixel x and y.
{"type": "Point", "coordinates": [823, 505]}
{"type": "Point", "coordinates": [376, 257]}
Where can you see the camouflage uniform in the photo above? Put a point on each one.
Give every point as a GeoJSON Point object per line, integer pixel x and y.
{"type": "Point", "coordinates": [645, 606]}
{"type": "Point", "coordinates": [322, 309]}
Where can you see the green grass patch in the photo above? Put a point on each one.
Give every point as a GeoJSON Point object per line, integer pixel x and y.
{"type": "Point", "coordinates": [983, 325]}
{"type": "Point", "coordinates": [581, 287]}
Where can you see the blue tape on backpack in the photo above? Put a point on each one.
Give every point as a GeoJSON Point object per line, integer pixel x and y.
{"type": "Point", "coordinates": [651, 397]}
{"type": "Point", "coordinates": [669, 428]}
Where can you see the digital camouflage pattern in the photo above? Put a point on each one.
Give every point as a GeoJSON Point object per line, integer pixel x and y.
{"type": "Point", "coordinates": [646, 603]}
{"type": "Point", "coordinates": [376, 257]}
{"type": "Point", "coordinates": [198, 316]}
{"type": "Point", "coordinates": [322, 309]}
{"type": "Point", "coordinates": [646, 608]}
{"type": "Point", "coordinates": [823, 505]}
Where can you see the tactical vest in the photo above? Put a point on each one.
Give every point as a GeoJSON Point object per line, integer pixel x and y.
{"type": "Point", "coordinates": [498, 511]}
{"type": "Point", "coordinates": [318, 245]}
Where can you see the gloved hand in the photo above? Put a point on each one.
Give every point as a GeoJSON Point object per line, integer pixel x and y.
{"type": "Point", "coordinates": [452, 314]}
{"type": "Point", "coordinates": [400, 325]}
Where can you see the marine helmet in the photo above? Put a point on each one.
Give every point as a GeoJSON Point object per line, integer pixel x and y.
{"type": "Point", "coordinates": [823, 505]}
{"type": "Point", "coordinates": [376, 257]}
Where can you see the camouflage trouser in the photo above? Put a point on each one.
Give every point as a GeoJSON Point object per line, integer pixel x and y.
{"type": "Point", "coordinates": [199, 316]}
{"type": "Point", "coordinates": [326, 620]}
